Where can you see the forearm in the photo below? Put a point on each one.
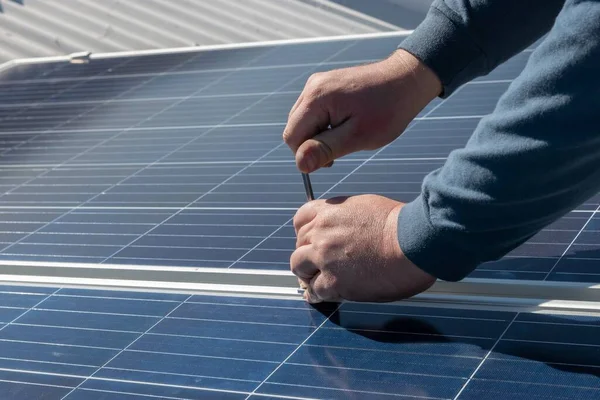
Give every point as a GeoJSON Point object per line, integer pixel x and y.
{"type": "Point", "coordinates": [533, 160]}
{"type": "Point", "coordinates": [463, 39]}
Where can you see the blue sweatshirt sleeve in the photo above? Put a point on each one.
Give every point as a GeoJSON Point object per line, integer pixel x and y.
{"type": "Point", "coordinates": [535, 158]}
{"type": "Point", "coordinates": [463, 39]}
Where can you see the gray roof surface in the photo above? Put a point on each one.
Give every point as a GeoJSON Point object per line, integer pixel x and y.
{"type": "Point", "coordinates": [35, 28]}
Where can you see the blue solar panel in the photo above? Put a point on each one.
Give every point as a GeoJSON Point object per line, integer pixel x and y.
{"type": "Point", "coordinates": [177, 160]}
{"type": "Point", "coordinates": [98, 344]}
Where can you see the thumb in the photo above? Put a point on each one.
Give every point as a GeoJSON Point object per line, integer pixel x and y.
{"type": "Point", "coordinates": [322, 149]}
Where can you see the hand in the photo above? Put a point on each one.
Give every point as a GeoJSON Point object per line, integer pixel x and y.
{"type": "Point", "coordinates": [347, 248]}
{"type": "Point", "coordinates": [366, 107]}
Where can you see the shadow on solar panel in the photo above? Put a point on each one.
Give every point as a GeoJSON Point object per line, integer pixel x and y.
{"type": "Point", "coordinates": [431, 353]}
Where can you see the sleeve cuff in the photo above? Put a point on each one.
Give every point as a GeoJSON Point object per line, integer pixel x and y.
{"type": "Point", "coordinates": [429, 247]}
{"type": "Point", "coordinates": [446, 48]}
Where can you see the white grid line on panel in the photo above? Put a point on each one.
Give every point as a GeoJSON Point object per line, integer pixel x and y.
{"type": "Point", "coordinates": [126, 347]}
{"type": "Point", "coordinates": [335, 185]}
{"type": "Point", "coordinates": [119, 133]}
{"type": "Point", "coordinates": [174, 98]}
{"type": "Point", "coordinates": [293, 352]}
{"type": "Point", "coordinates": [222, 125]}
{"type": "Point", "coordinates": [562, 256]}
{"type": "Point", "coordinates": [485, 358]}
{"type": "Point", "coordinates": [232, 176]}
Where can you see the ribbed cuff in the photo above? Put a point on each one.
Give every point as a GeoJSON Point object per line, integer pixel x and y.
{"type": "Point", "coordinates": [446, 48]}
{"type": "Point", "coordinates": [430, 248]}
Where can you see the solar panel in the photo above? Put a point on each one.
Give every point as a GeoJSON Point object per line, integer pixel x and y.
{"type": "Point", "coordinates": [61, 343]}
{"type": "Point", "coordinates": [176, 159]}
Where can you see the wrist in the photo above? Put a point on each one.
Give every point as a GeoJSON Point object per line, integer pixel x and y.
{"type": "Point", "coordinates": [411, 279]}
{"type": "Point", "coordinates": [412, 76]}
{"type": "Point", "coordinates": [390, 231]}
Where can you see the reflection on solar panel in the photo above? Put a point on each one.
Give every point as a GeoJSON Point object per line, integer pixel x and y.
{"type": "Point", "coordinates": [177, 159]}
{"type": "Point", "coordinates": [83, 344]}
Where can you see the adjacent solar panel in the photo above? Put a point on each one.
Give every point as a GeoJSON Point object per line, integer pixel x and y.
{"type": "Point", "coordinates": [83, 344]}
{"type": "Point", "coordinates": [177, 160]}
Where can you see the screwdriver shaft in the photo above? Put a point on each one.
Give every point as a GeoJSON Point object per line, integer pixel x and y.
{"type": "Point", "coordinates": [308, 187]}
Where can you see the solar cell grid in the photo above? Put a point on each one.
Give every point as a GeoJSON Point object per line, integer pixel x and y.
{"type": "Point", "coordinates": [472, 100]}
{"type": "Point", "coordinates": [98, 344]}
{"type": "Point", "coordinates": [141, 159]}
{"type": "Point", "coordinates": [509, 69]}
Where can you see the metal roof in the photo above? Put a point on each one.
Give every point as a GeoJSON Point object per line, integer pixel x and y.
{"type": "Point", "coordinates": [34, 28]}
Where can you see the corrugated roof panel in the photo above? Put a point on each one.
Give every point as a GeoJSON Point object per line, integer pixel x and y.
{"type": "Point", "coordinates": [52, 27]}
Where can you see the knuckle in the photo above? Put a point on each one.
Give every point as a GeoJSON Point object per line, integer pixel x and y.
{"type": "Point", "coordinates": [306, 236]}
{"type": "Point", "coordinates": [301, 215]}
{"type": "Point", "coordinates": [295, 262]}
{"type": "Point", "coordinates": [287, 136]}
{"type": "Point", "coordinates": [315, 94]}
{"type": "Point", "coordinates": [324, 245]}
{"type": "Point", "coordinates": [317, 223]}
{"type": "Point", "coordinates": [296, 222]}
{"type": "Point", "coordinates": [317, 87]}
{"type": "Point", "coordinates": [322, 220]}
{"type": "Point", "coordinates": [314, 79]}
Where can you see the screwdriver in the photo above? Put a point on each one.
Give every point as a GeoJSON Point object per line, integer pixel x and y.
{"type": "Point", "coordinates": [308, 187]}
{"type": "Point", "coordinates": [310, 197]}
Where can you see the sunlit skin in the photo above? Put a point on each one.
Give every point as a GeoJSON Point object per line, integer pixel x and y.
{"type": "Point", "coordinates": [347, 249]}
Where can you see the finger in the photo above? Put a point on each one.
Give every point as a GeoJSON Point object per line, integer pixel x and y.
{"type": "Point", "coordinates": [304, 235]}
{"type": "Point", "coordinates": [307, 213]}
{"type": "Point", "coordinates": [322, 289]}
{"type": "Point", "coordinates": [296, 104]}
{"type": "Point", "coordinates": [329, 164]}
{"type": "Point", "coordinates": [307, 120]}
{"type": "Point", "coordinates": [309, 296]}
{"type": "Point", "coordinates": [302, 264]}
{"type": "Point", "coordinates": [325, 147]}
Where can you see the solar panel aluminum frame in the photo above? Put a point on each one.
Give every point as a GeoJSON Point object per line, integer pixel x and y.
{"type": "Point", "coordinates": [231, 46]}
{"type": "Point", "coordinates": [479, 293]}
